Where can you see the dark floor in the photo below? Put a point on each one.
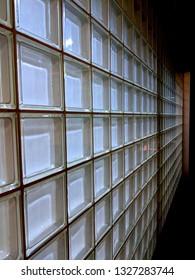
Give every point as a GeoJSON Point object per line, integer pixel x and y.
{"type": "Point", "coordinates": [177, 239]}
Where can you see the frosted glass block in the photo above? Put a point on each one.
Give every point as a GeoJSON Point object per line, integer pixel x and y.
{"type": "Point", "coordinates": [77, 86]}
{"type": "Point", "coordinates": [117, 167]}
{"type": "Point", "coordinates": [129, 219]}
{"type": "Point", "coordinates": [76, 31]}
{"type": "Point", "coordinates": [6, 71]}
{"type": "Point", "coordinates": [10, 231]}
{"type": "Point", "coordinates": [144, 77]}
{"type": "Point", "coordinates": [137, 72]}
{"type": "Point", "coordinates": [116, 95]}
{"type": "Point", "coordinates": [129, 160]}
{"type": "Point", "coordinates": [116, 58]}
{"type": "Point", "coordinates": [100, 10]}
{"type": "Point", "coordinates": [104, 249]}
{"type": "Point", "coordinates": [78, 138]}
{"type": "Point", "coordinates": [136, 100]}
{"type": "Point", "coordinates": [80, 194]}
{"type": "Point", "coordinates": [40, 83]}
{"type": "Point", "coordinates": [129, 190]}
{"type": "Point", "coordinates": [128, 98]}
{"type": "Point", "coordinates": [137, 127]}
{"type": "Point", "coordinates": [145, 150]}
{"type": "Point", "coordinates": [128, 65]}
{"type": "Point", "coordinates": [118, 235]}
{"type": "Point", "coordinates": [137, 43]}
{"type": "Point", "coordinates": [40, 18]}
{"type": "Point", "coordinates": [101, 92]}
{"type": "Point", "coordinates": [117, 202]}
{"type": "Point", "coordinates": [5, 12]}
{"type": "Point", "coordinates": [129, 129]}
{"type": "Point", "coordinates": [42, 145]}
{"type": "Point", "coordinates": [83, 3]}
{"type": "Point", "coordinates": [81, 237]}
{"type": "Point", "coordinates": [128, 33]}
{"type": "Point", "coordinates": [54, 250]}
{"type": "Point", "coordinates": [144, 51]}
{"type": "Point", "coordinates": [101, 176]}
{"type": "Point", "coordinates": [100, 44]}
{"type": "Point", "coordinates": [8, 153]}
{"type": "Point", "coordinates": [44, 206]}
{"type": "Point", "coordinates": [100, 134]}
{"type": "Point", "coordinates": [117, 131]}
{"type": "Point", "coordinates": [102, 217]}
{"type": "Point", "coordinates": [116, 20]}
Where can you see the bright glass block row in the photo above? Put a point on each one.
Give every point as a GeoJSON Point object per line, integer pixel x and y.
{"type": "Point", "coordinates": [85, 137]}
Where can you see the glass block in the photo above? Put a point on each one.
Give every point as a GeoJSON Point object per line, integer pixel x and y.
{"type": "Point", "coordinates": [144, 51]}
{"type": "Point", "coordinates": [137, 72]}
{"type": "Point", "coordinates": [116, 57]}
{"type": "Point", "coordinates": [100, 46]}
{"type": "Point", "coordinates": [78, 138]}
{"type": "Point", "coordinates": [128, 7]}
{"type": "Point", "coordinates": [137, 126]}
{"type": "Point", "coordinates": [115, 20]}
{"type": "Point", "coordinates": [129, 219]}
{"type": "Point", "coordinates": [6, 70]}
{"type": "Point", "coordinates": [129, 160]}
{"type": "Point", "coordinates": [129, 190]}
{"type": "Point", "coordinates": [129, 129]}
{"type": "Point", "coordinates": [100, 10]}
{"type": "Point", "coordinates": [121, 254]}
{"type": "Point", "coordinates": [117, 202]}
{"type": "Point", "coordinates": [44, 205]}
{"type": "Point", "coordinates": [42, 145]}
{"type": "Point", "coordinates": [5, 8]}
{"type": "Point", "coordinates": [118, 235]}
{"type": "Point", "coordinates": [76, 31]}
{"type": "Point", "coordinates": [39, 18]}
{"type": "Point", "coordinates": [117, 131]}
{"type": "Point", "coordinates": [77, 86]}
{"type": "Point", "coordinates": [128, 33]}
{"type": "Point", "coordinates": [10, 231]}
{"type": "Point", "coordinates": [137, 100]}
{"type": "Point", "coordinates": [128, 98]}
{"type": "Point", "coordinates": [101, 176]}
{"type": "Point", "coordinates": [40, 81]}
{"type": "Point", "coordinates": [116, 95]}
{"type": "Point", "coordinates": [83, 3]}
{"type": "Point", "coordinates": [80, 193]}
{"type": "Point", "coordinates": [54, 250]}
{"type": "Point", "coordinates": [101, 91]}
{"type": "Point", "coordinates": [81, 236]}
{"type": "Point", "coordinates": [8, 153]}
{"type": "Point", "coordinates": [128, 65]}
{"type": "Point", "coordinates": [100, 134]}
{"type": "Point", "coordinates": [104, 249]}
{"type": "Point", "coordinates": [137, 43]}
{"type": "Point", "coordinates": [102, 217]}
{"type": "Point", "coordinates": [144, 77]}
{"type": "Point", "coordinates": [117, 167]}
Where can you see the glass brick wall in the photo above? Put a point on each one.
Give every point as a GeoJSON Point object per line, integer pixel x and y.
{"type": "Point", "coordinates": [90, 130]}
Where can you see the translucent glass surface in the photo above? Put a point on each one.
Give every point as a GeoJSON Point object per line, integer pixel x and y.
{"type": "Point", "coordinates": [40, 18]}
{"type": "Point", "coordinates": [42, 146]}
{"type": "Point", "coordinates": [40, 83]}
{"type": "Point", "coordinates": [101, 176]}
{"type": "Point", "coordinates": [81, 237]}
{"type": "Point", "coordinates": [76, 31]}
{"type": "Point", "coordinates": [117, 167]}
{"type": "Point", "coordinates": [8, 154]}
{"type": "Point", "coordinates": [78, 138]}
{"type": "Point", "coordinates": [77, 86]}
{"type": "Point", "coordinates": [100, 134]}
{"type": "Point", "coordinates": [80, 190]}
{"type": "Point", "coordinates": [10, 231]}
{"type": "Point", "coordinates": [116, 58]}
{"type": "Point", "coordinates": [116, 131]}
{"type": "Point", "coordinates": [116, 95]}
{"type": "Point", "coordinates": [44, 211]}
{"type": "Point", "coordinates": [104, 249]}
{"type": "Point", "coordinates": [100, 10]}
{"type": "Point", "coordinates": [101, 92]}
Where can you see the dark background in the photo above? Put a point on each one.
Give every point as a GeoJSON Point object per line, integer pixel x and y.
{"type": "Point", "coordinates": [177, 240]}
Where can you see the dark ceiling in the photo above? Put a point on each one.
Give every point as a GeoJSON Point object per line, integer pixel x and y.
{"type": "Point", "coordinates": [178, 18]}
